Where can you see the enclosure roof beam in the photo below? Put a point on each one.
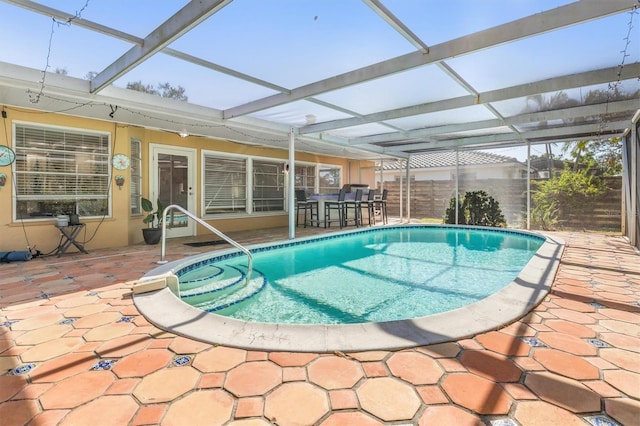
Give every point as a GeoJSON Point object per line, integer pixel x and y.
{"type": "Point", "coordinates": [571, 14]}
{"type": "Point", "coordinates": [570, 81]}
{"type": "Point", "coordinates": [181, 22]}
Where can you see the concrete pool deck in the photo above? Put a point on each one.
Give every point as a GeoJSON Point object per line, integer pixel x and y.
{"type": "Point", "coordinates": [75, 350]}
{"type": "Point", "coordinates": [169, 313]}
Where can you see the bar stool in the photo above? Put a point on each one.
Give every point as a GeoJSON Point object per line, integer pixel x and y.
{"type": "Point", "coordinates": [355, 206]}
{"type": "Point", "coordinates": [337, 205]}
{"type": "Point", "coordinates": [368, 203]}
{"type": "Point", "coordinates": [381, 206]}
{"type": "Point", "coordinates": [303, 203]}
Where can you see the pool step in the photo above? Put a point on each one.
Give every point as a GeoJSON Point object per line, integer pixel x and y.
{"type": "Point", "coordinates": [224, 289]}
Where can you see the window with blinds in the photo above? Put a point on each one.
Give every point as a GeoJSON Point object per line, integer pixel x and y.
{"type": "Point", "coordinates": [135, 188]}
{"type": "Point", "coordinates": [61, 171]}
{"type": "Point", "coordinates": [268, 186]}
{"type": "Point", "coordinates": [225, 185]}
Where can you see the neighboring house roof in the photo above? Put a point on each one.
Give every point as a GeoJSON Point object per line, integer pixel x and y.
{"type": "Point", "coordinates": [448, 159]}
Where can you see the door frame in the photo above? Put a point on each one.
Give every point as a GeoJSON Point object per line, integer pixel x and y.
{"type": "Point", "coordinates": [190, 153]}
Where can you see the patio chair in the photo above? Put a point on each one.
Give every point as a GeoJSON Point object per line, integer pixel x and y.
{"type": "Point", "coordinates": [303, 203]}
{"type": "Point", "coordinates": [353, 205]}
{"type": "Point", "coordinates": [381, 206]}
{"type": "Point", "coordinates": [334, 205]}
{"type": "Point", "coordinates": [368, 204]}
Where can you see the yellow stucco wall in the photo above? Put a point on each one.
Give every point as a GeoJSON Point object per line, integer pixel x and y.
{"type": "Point", "coordinates": [121, 228]}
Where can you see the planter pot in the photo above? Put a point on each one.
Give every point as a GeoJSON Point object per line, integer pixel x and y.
{"type": "Point", "coordinates": [152, 235]}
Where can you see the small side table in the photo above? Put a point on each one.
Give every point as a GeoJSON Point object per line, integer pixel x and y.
{"type": "Point", "coordinates": [69, 234]}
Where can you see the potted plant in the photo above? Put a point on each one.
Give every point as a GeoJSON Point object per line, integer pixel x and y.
{"type": "Point", "coordinates": [153, 233]}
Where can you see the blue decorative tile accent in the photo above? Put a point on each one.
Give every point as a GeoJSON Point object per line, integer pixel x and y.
{"type": "Point", "coordinates": [104, 364]}
{"type": "Point", "coordinates": [22, 369]}
{"type": "Point", "coordinates": [92, 293]}
{"type": "Point", "coordinates": [503, 422]}
{"type": "Point", "coordinates": [126, 319]}
{"type": "Point", "coordinates": [7, 323]}
{"type": "Point", "coordinates": [598, 343]}
{"type": "Point", "coordinates": [44, 296]}
{"type": "Point", "coordinates": [109, 276]}
{"type": "Point", "coordinates": [594, 282]}
{"type": "Point", "coordinates": [601, 420]}
{"type": "Point", "coordinates": [181, 361]}
{"type": "Point", "coordinates": [596, 305]}
{"type": "Point", "coordinates": [67, 321]}
{"type": "Point", "coordinates": [532, 341]}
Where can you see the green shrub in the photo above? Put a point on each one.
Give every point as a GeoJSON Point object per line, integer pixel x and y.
{"type": "Point", "coordinates": [475, 208]}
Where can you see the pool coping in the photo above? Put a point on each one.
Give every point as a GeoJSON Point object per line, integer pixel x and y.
{"type": "Point", "coordinates": [163, 309]}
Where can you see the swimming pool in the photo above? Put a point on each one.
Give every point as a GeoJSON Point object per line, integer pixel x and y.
{"type": "Point", "coordinates": [402, 281]}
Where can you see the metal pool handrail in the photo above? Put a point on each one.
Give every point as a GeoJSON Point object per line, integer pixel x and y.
{"type": "Point", "coordinates": [163, 248]}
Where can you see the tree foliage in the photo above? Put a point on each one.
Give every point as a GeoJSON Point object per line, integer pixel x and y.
{"type": "Point", "coordinates": [475, 208]}
{"type": "Point", "coordinates": [166, 90]}
{"type": "Point", "coordinates": [563, 195]}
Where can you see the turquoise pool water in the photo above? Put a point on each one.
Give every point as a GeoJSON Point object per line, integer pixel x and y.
{"type": "Point", "coordinates": [375, 275]}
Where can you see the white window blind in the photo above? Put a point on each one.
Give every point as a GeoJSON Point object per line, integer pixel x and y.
{"type": "Point", "coordinates": [61, 171]}
{"type": "Point", "coordinates": [225, 185]}
{"type": "Point", "coordinates": [268, 186]}
{"type": "Point", "coordinates": [135, 187]}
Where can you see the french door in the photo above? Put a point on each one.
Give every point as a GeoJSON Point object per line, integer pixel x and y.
{"type": "Point", "coordinates": [172, 180]}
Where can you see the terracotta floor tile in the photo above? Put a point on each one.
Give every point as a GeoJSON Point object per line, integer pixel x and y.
{"type": "Point", "coordinates": [476, 393]}
{"type": "Point", "coordinates": [573, 305]}
{"type": "Point", "coordinates": [77, 390]}
{"type": "Point", "coordinates": [219, 358]}
{"type": "Point", "coordinates": [566, 364]}
{"type": "Point", "coordinates": [142, 363]}
{"type": "Point", "coordinates": [503, 344]}
{"type": "Point", "coordinates": [621, 327]}
{"type": "Point", "coordinates": [32, 391]}
{"type": "Point", "coordinates": [249, 407]}
{"type": "Point", "coordinates": [84, 310]}
{"type": "Point", "coordinates": [431, 395]}
{"type": "Point", "coordinates": [214, 408]}
{"type": "Point", "coordinates": [375, 369]}
{"type": "Point", "coordinates": [388, 399]}
{"type": "Point", "coordinates": [257, 356]}
{"type": "Point", "coordinates": [120, 409]}
{"type": "Point", "coordinates": [296, 403]}
{"type": "Point", "coordinates": [342, 399]}
{"type": "Point", "coordinates": [625, 381]}
{"type": "Point", "coordinates": [350, 419]}
{"type": "Point", "coordinates": [123, 386]}
{"type": "Point", "coordinates": [51, 349]}
{"type": "Point", "coordinates": [369, 356]}
{"type": "Point", "coordinates": [290, 359]}
{"type": "Point", "coordinates": [567, 343]}
{"type": "Point", "coordinates": [253, 378]}
{"type": "Point", "coordinates": [38, 321]}
{"type": "Point", "coordinates": [181, 345]}
{"type": "Point", "coordinates": [491, 366]}
{"type": "Point", "coordinates": [166, 385]}
{"type": "Point", "coordinates": [211, 380]}
{"type": "Point", "coordinates": [624, 359]}
{"type": "Point", "coordinates": [10, 386]}
{"type": "Point", "coordinates": [18, 412]}
{"type": "Point", "coordinates": [44, 334]}
{"type": "Point", "coordinates": [97, 319]}
{"type": "Point", "coordinates": [518, 391]}
{"type": "Point", "coordinates": [447, 415]}
{"type": "Point", "coordinates": [616, 314]}
{"type": "Point", "coordinates": [49, 418]}
{"type": "Point", "coordinates": [630, 343]}
{"type": "Point", "coordinates": [625, 411]}
{"type": "Point", "coordinates": [415, 367]}
{"type": "Point", "coordinates": [73, 302]}
{"type": "Point", "coordinates": [149, 415]}
{"type": "Point", "coordinates": [334, 372]}
{"type": "Point", "coordinates": [570, 328]}
{"type": "Point", "coordinates": [442, 350]}
{"type": "Point", "coordinates": [294, 374]}
{"type": "Point", "coordinates": [62, 367]}
{"type": "Point", "coordinates": [564, 392]}
{"type": "Point", "coordinates": [539, 413]}
{"type": "Point", "coordinates": [603, 388]}
{"type": "Point", "coordinates": [123, 346]}
{"type": "Point", "coordinates": [109, 332]}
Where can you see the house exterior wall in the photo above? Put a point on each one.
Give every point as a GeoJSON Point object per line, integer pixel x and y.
{"type": "Point", "coordinates": [122, 228]}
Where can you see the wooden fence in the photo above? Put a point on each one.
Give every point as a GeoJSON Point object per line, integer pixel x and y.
{"type": "Point", "coordinates": [430, 199]}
